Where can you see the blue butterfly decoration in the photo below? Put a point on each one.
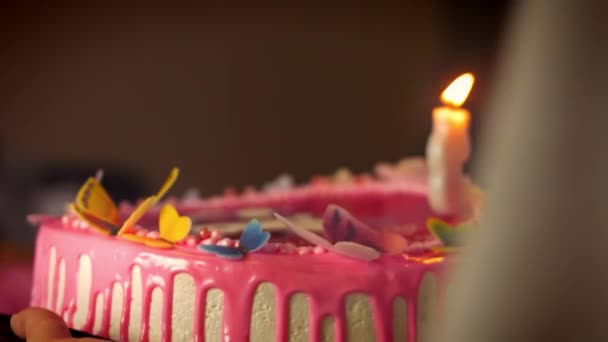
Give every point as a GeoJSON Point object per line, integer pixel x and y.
{"type": "Point", "coordinates": [252, 239]}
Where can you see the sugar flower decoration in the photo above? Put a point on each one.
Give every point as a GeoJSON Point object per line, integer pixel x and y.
{"type": "Point", "coordinates": [346, 248]}
{"type": "Point", "coordinates": [96, 207]}
{"type": "Point", "coordinates": [171, 226]}
{"type": "Point", "coordinates": [340, 225]}
{"type": "Point", "coordinates": [252, 239]}
{"type": "Point", "coordinates": [452, 237]}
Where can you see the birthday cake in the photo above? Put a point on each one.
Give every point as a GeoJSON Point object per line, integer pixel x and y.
{"type": "Point", "coordinates": [342, 258]}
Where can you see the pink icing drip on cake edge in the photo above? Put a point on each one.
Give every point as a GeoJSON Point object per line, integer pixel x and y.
{"type": "Point", "coordinates": [313, 275]}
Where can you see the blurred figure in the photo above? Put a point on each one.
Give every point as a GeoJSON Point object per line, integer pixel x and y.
{"type": "Point", "coordinates": [536, 271]}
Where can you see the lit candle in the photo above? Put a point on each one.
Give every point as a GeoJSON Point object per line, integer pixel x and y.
{"type": "Point", "coordinates": [448, 149]}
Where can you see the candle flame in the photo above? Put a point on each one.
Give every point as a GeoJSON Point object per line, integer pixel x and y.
{"type": "Point", "coordinates": [456, 93]}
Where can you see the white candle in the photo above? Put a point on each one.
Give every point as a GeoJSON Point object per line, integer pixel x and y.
{"type": "Point", "coordinates": [448, 150]}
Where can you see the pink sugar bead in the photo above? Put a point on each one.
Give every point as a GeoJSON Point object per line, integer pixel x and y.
{"type": "Point", "coordinates": [226, 242]}
{"type": "Point", "coordinates": [204, 233]}
{"type": "Point", "coordinates": [65, 220]}
{"type": "Point", "coordinates": [318, 250]}
{"type": "Point", "coordinates": [289, 245]}
{"type": "Point", "coordinates": [153, 234]}
{"type": "Point", "coordinates": [81, 224]}
{"type": "Point", "coordinates": [209, 241]}
{"type": "Point", "coordinates": [268, 248]}
{"type": "Point", "coordinates": [140, 232]}
{"type": "Point", "coordinates": [287, 248]}
{"type": "Point", "coordinates": [216, 234]}
{"type": "Point", "coordinates": [191, 241]}
{"type": "Point", "coordinates": [303, 250]}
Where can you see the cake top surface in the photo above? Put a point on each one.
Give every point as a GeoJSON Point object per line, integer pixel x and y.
{"type": "Point", "coordinates": [357, 217]}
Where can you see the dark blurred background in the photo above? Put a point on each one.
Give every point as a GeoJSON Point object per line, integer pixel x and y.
{"type": "Point", "coordinates": [232, 94]}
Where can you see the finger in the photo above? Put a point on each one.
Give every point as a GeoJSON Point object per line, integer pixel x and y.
{"type": "Point", "coordinates": [39, 325]}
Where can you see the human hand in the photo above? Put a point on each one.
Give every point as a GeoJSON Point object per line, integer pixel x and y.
{"type": "Point", "coordinates": [40, 325]}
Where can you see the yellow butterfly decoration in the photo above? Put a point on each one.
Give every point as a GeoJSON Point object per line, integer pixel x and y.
{"type": "Point", "coordinates": [171, 226]}
{"type": "Point", "coordinates": [96, 207]}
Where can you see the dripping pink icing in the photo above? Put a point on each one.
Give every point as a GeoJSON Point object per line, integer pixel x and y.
{"type": "Point", "coordinates": [315, 275]}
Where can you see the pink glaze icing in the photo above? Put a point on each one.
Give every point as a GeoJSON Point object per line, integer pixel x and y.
{"type": "Point", "coordinates": [377, 203]}
{"type": "Point", "coordinates": [313, 274]}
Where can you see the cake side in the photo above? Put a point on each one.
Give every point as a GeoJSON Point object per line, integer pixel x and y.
{"type": "Point", "coordinates": [128, 291]}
